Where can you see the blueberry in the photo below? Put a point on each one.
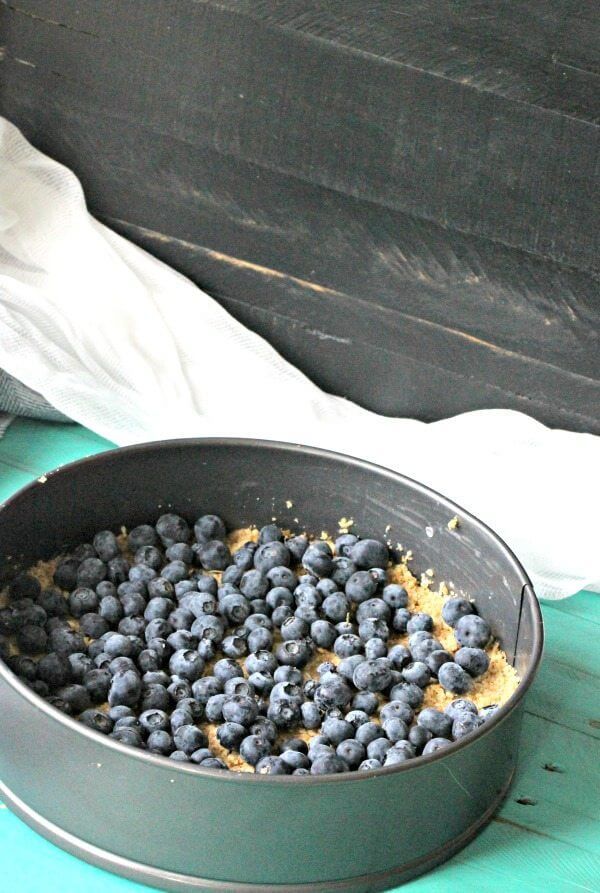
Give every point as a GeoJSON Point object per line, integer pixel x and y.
{"type": "Point", "coordinates": [254, 584]}
{"type": "Point", "coordinates": [297, 546]}
{"type": "Point", "coordinates": [293, 653]}
{"type": "Point", "coordinates": [96, 720]}
{"type": "Point", "coordinates": [308, 595]}
{"type": "Point", "coordinates": [209, 527]}
{"type": "Point", "coordinates": [266, 728]}
{"type": "Point", "coordinates": [91, 572]}
{"type": "Point", "coordinates": [369, 731]}
{"type": "Point", "coordinates": [400, 619]}
{"type": "Point", "coordinates": [399, 753]}
{"type": "Point", "coordinates": [105, 588]}
{"type": "Point", "coordinates": [279, 596]}
{"type": "Point", "coordinates": [117, 570]}
{"type": "Point", "coordinates": [395, 596]}
{"type": "Point", "coordinates": [453, 678]}
{"type": "Point", "coordinates": [174, 572]}
{"type": "Point", "coordinates": [474, 660]}
{"type": "Point", "coordinates": [111, 610]}
{"type": "Point", "coordinates": [326, 587]}
{"type": "Point", "coordinates": [179, 756]}
{"type": "Point", "coordinates": [285, 714]}
{"type": "Point", "coordinates": [271, 765]}
{"type": "Point", "coordinates": [31, 639]}
{"type": "Point", "coordinates": [296, 760]}
{"type": "Point", "coordinates": [282, 576]}
{"type": "Point", "coordinates": [328, 764]}
{"type": "Point", "coordinates": [373, 675]}
{"type": "Point", "coordinates": [133, 604]}
{"type": "Point", "coordinates": [235, 646]}
{"type": "Point", "coordinates": [348, 644]}
{"type": "Point", "coordinates": [258, 620]}
{"type": "Point", "coordinates": [435, 660]}
{"type": "Point", "coordinates": [125, 688]}
{"type": "Point", "coordinates": [214, 707]}
{"type": "Point", "coordinates": [260, 639]}
{"type": "Point", "coordinates": [65, 641]}
{"type": "Point", "coordinates": [80, 664]}
{"type": "Point", "coordinates": [304, 612]}
{"type": "Point", "coordinates": [235, 608]}
{"type": "Point", "coordinates": [97, 683]}
{"type": "Point", "coordinates": [232, 574]}
{"type": "Point", "coordinates": [271, 555]}
{"type": "Point", "coordinates": [318, 561]}
{"type": "Point", "coordinates": [311, 715]}
{"type": "Point", "coordinates": [213, 763]}
{"type": "Point", "coordinates": [352, 752]}
{"type": "Point", "coordinates": [253, 748]}
{"type": "Point", "coordinates": [172, 529]}
{"type": "Point", "coordinates": [144, 535]}
{"type": "Point", "coordinates": [357, 718]}
{"type": "Point", "coordinates": [327, 667]}
{"type": "Point", "coordinates": [396, 710]}
{"type": "Point", "coordinates": [93, 625]}
{"type": "Point", "coordinates": [261, 662]}
{"type": "Point", "coordinates": [348, 665]}
{"type": "Point", "coordinates": [343, 569]}
{"type": "Point", "coordinates": [240, 709]}
{"type": "Point", "coordinates": [360, 587]}
{"type": "Point", "coordinates": [207, 584]}
{"type": "Point", "coordinates": [395, 729]}
{"type": "Point", "coordinates": [226, 668]}
{"type": "Point", "coordinates": [437, 722]}
{"type": "Point", "coordinates": [455, 608]}
{"type": "Point", "coordinates": [375, 648]}
{"type": "Point", "coordinates": [118, 645]}
{"type": "Point", "coordinates": [53, 603]}
{"type": "Point", "coordinates": [335, 692]}
{"type": "Point", "coordinates": [435, 744]}
{"type": "Point", "coordinates": [160, 742]}
{"type": "Point", "coordinates": [24, 585]}
{"type": "Point", "coordinates": [209, 626]}
{"type": "Point", "coordinates": [75, 696]}
{"type": "Point", "coordinates": [464, 725]}
{"type": "Point", "coordinates": [418, 736]}
{"type": "Point", "coordinates": [294, 628]}
{"type": "Point", "coordinates": [83, 551]}
{"type": "Point", "coordinates": [65, 575]}
{"type": "Point", "coordinates": [189, 738]}
{"type": "Point", "coordinates": [203, 753]}
{"type": "Point", "coordinates": [287, 690]}
{"type": "Point", "coordinates": [372, 628]}
{"type": "Point", "coordinates": [418, 622]}
{"type": "Point", "coordinates": [377, 749]}
{"type": "Point", "coordinates": [459, 707]}
{"type": "Point", "coordinates": [373, 608]}
{"type": "Point", "coordinates": [24, 667]}
{"type": "Point", "coordinates": [243, 558]}
{"type": "Point", "coordinates": [154, 720]}
{"type": "Point", "coordinates": [323, 633]}
{"type": "Point", "coordinates": [421, 648]}
{"type": "Point", "coordinates": [261, 683]}
{"type": "Point", "coordinates": [230, 735]}
{"type": "Point", "coordinates": [337, 730]}
{"type": "Point", "coordinates": [106, 545]}
{"type": "Point", "coordinates": [270, 533]}
{"type": "Point", "coordinates": [369, 553]}
{"type": "Point", "coordinates": [82, 601]}
{"type": "Point", "coordinates": [369, 765]}
{"type": "Point", "coordinates": [418, 673]}
{"type": "Point", "coordinates": [472, 631]}
{"type": "Point", "coordinates": [336, 607]}
{"type": "Point", "coordinates": [214, 555]}
{"type": "Point", "coordinates": [344, 543]}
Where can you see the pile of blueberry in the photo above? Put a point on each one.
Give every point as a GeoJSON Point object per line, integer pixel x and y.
{"type": "Point", "coordinates": [170, 649]}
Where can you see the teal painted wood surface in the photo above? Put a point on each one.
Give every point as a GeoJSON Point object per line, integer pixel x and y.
{"type": "Point", "coordinates": [546, 836]}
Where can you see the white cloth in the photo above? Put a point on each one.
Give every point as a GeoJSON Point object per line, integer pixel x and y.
{"type": "Point", "coordinates": [120, 342]}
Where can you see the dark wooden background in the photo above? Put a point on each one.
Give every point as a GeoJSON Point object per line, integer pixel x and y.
{"type": "Point", "coordinates": [401, 196]}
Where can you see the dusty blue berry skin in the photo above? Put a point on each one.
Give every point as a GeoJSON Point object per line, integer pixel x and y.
{"type": "Point", "coordinates": [360, 587]}
{"type": "Point", "coordinates": [399, 753]}
{"type": "Point", "coordinates": [230, 735]}
{"type": "Point", "coordinates": [337, 730]}
{"type": "Point", "coordinates": [189, 738]}
{"type": "Point", "coordinates": [400, 620]}
{"type": "Point", "coordinates": [369, 553]}
{"type": "Point", "coordinates": [272, 765]}
{"type": "Point", "coordinates": [352, 752]}
{"type": "Point", "coordinates": [209, 527]}
{"type": "Point", "coordinates": [472, 631]}
{"type": "Point", "coordinates": [373, 675]}
{"type": "Point", "coordinates": [318, 560]}
{"type": "Point", "coordinates": [377, 749]}
{"type": "Point", "coordinates": [344, 543]}
{"type": "Point", "coordinates": [438, 723]}
{"type": "Point", "coordinates": [253, 748]}
{"type": "Point", "coordinates": [369, 731]}
{"type": "Point", "coordinates": [396, 710]}
{"type": "Point", "coordinates": [271, 555]}
{"type": "Point", "coordinates": [465, 725]}
{"type": "Point", "coordinates": [453, 678]}
{"type": "Point", "coordinates": [125, 689]}
{"type": "Point", "coordinates": [418, 736]}
{"type": "Point", "coordinates": [328, 764]}
{"type": "Point", "coordinates": [455, 608]}
{"type": "Point", "coordinates": [474, 660]}
{"type": "Point", "coordinates": [395, 596]}
{"type": "Point", "coordinates": [459, 707]}
{"type": "Point", "coordinates": [419, 622]}
{"type": "Point", "coordinates": [435, 744]}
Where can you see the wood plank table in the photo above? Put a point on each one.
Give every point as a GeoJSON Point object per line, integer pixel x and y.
{"type": "Point", "coordinates": [545, 836]}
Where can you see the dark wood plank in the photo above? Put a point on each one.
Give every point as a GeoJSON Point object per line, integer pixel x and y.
{"type": "Point", "coordinates": [342, 98]}
{"type": "Point", "coordinates": [388, 360]}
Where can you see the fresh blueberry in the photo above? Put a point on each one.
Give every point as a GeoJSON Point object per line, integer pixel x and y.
{"type": "Point", "coordinates": [160, 742]}
{"type": "Point", "coordinates": [97, 683]}
{"type": "Point", "coordinates": [472, 631]}
{"type": "Point", "coordinates": [328, 764]}
{"type": "Point", "coordinates": [418, 736]}
{"type": "Point", "coordinates": [203, 753]}
{"type": "Point", "coordinates": [243, 558]}
{"type": "Point", "coordinates": [254, 584]}
{"type": "Point", "coordinates": [143, 535]}
{"type": "Point", "coordinates": [91, 572]}
{"type": "Point", "coordinates": [65, 575]}
{"type": "Point", "coordinates": [65, 641]}
{"type": "Point", "coordinates": [360, 587]}
{"type": "Point", "coordinates": [377, 749]}
{"type": "Point", "coordinates": [117, 570]}
{"type": "Point", "coordinates": [395, 729]}
{"type": "Point", "coordinates": [395, 596]}
{"type": "Point", "coordinates": [334, 692]}
{"type": "Point", "coordinates": [260, 639]}
{"type": "Point", "coordinates": [253, 748]}
{"type": "Point", "coordinates": [32, 639]}
{"type": "Point", "coordinates": [344, 543]}
{"type": "Point", "coordinates": [106, 545]}
{"type": "Point", "coordinates": [311, 715]}
{"type": "Point", "coordinates": [240, 709]}
{"type": "Point", "coordinates": [399, 753]}
{"type": "Point", "coordinates": [373, 608]}
{"type": "Point", "coordinates": [214, 555]}
{"type": "Point", "coordinates": [396, 710]}
{"type": "Point", "coordinates": [285, 714]}
{"type": "Point", "coordinates": [420, 621]}
{"type": "Point", "coordinates": [474, 660]}
{"type": "Point", "coordinates": [206, 584]}
{"type": "Point", "coordinates": [343, 569]}
{"type": "Point", "coordinates": [75, 696]}
{"type": "Point", "coordinates": [438, 723]}
{"type": "Point", "coordinates": [305, 594]}
{"type": "Point", "coordinates": [369, 553]}
{"type": "Point", "coordinates": [272, 765]}
{"type": "Point", "coordinates": [209, 527]}
{"type": "Point", "coordinates": [80, 664]}
{"type": "Point", "coordinates": [297, 546]}
{"type": "Point", "coordinates": [347, 644]}
{"type": "Point", "coordinates": [172, 529]}
{"type": "Point", "coordinates": [455, 608]}
{"type": "Point", "coordinates": [226, 668]}
{"type": "Point", "coordinates": [464, 725]}
{"type": "Point", "coordinates": [209, 626]}
{"type": "Point", "coordinates": [369, 765]}
{"type": "Point", "coordinates": [372, 628]}
{"type": "Point", "coordinates": [189, 738]}
{"type": "Point", "coordinates": [326, 587]}
{"type": "Point", "coordinates": [418, 673]}
{"type": "Point", "coordinates": [230, 735]}
{"type": "Point", "coordinates": [435, 660]}
{"type": "Point", "coordinates": [369, 731]}
{"type": "Point", "coordinates": [293, 653]}
{"type": "Point", "coordinates": [422, 647]}
{"type": "Point", "coordinates": [400, 620]}
{"type": "Point", "coordinates": [261, 662]}
{"type": "Point", "coordinates": [352, 752]}
{"type": "Point", "coordinates": [459, 707]}
{"type": "Point", "coordinates": [337, 730]}
{"type": "Point", "coordinates": [97, 720]}
{"type": "Point", "coordinates": [294, 628]}
{"type": "Point", "coordinates": [375, 648]}
{"type": "Point", "coordinates": [453, 678]}
{"type": "Point", "coordinates": [435, 744]}
{"type": "Point", "coordinates": [318, 561]}
{"type": "Point", "coordinates": [111, 610]}
{"type": "Point", "coordinates": [82, 601]}
{"type": "Point", "coordinates": [336, 607]}
{"type": "Point", "coordinates": [373, 675]}
{"type": "Point", "coordinates": [271, 555]}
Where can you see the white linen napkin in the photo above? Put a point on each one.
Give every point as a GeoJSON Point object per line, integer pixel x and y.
{"type": "Point", "coordinates": [118, 341]}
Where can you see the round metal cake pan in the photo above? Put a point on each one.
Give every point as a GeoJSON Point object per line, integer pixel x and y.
{"type": "Point", "coordinates": [178, 827]}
